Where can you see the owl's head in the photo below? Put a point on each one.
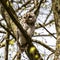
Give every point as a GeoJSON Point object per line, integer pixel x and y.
{"type": "Point", "coordinates": [30, 18]}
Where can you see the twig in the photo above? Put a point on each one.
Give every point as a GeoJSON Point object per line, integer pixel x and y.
{"type": "Point", "coordinates": [43, 35]}
{"type": "Point", "coordinates": [47, 31]}
{"type": "Point", "coordinates": [6, 47]}
{"type": "Point", "coordinates": [37, 10]}
{"type": "Point", "coordinates": [14, 56]}
{"type": "Point", "coordinates": [7, 30]}
{"type": "Point", "coordinates": [48, 16]}
{"type": "Point", "coordinates": [23, 5]}
{"type": "Point", "coordinates": [3, 32]}
{"type": "Point", "coordinates": [45, 24]}
{"type": "Point", "coordinates": [46, 46]}
{"type": "Point", "coordinates": [49, 55]}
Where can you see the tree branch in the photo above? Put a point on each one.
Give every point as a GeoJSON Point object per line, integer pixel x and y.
{"type": "Point", "coordinates": [44, 45]}
{"type": "Point", "coordinates": [47, 31]}
{"type": "Point", "coordinates": [37, 10]}
{"type": "Point", "coordinates": [7, 30]}
{"type": "Point", "coordinates": [6, 47]}
{"type": "Point", "coordinates": [23, 5]}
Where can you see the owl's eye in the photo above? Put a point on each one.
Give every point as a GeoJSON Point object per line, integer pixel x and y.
{"type": "Point", "coordinates": [30, 16]}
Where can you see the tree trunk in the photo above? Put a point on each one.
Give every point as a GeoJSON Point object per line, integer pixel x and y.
{"type": "Point", "coordinates": [56, 11]}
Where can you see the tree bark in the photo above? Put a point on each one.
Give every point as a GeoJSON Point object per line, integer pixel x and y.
{"type": "Point", "coordinates": [56, 11]}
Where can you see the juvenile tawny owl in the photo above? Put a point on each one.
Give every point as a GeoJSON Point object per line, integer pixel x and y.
{"type": "Point", "coordinates": [28, 24]}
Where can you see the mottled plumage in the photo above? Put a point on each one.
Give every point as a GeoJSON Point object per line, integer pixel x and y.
{"type": "Point", "coordinates": [28, 24]}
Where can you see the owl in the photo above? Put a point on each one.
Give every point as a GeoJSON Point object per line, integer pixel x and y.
{"type": "Point", "coordinates": [28, 23]}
